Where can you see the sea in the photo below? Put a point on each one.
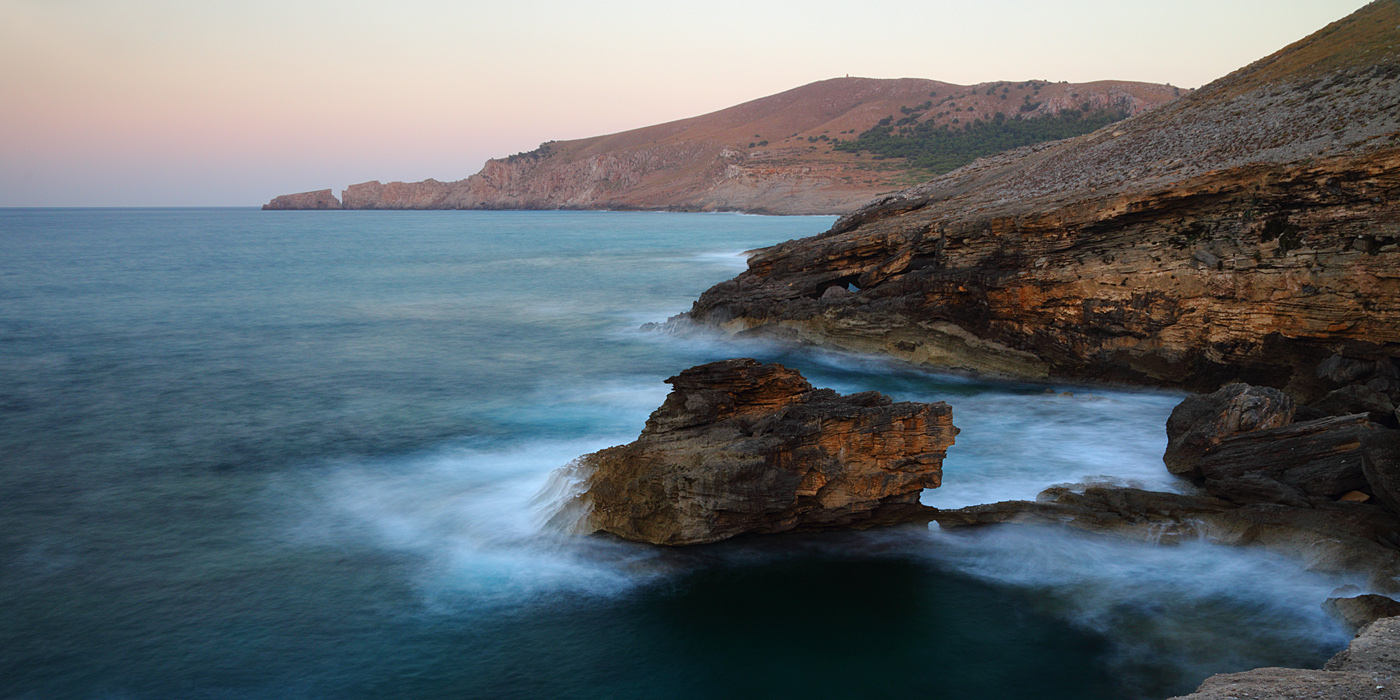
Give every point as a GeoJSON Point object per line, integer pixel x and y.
{"type": "Point", "coordinates": [252, 455]}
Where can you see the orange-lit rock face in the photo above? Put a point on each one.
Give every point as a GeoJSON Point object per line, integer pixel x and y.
{"type": "Point", "coordinates": [1244, 232]}
{"type": "Point", "coordinates": [742, 447]}
{"type": "Point", "coordinates": [1255, 273]}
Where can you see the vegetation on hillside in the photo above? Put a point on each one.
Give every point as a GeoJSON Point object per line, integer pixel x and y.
{"type": "Point", "coordinates": [939, 148]}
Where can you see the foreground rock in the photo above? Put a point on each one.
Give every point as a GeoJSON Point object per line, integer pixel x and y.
{"type": "Point", "coordinates": [1368, 668]}
{"type": "Point", "coordinates": [1246, 231]}
{"type": "Point", "coordinates": [743, 447]}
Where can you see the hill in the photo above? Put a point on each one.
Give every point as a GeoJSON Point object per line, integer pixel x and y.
{"type": "Point", "coordinates": [798, 152]}
{"type": "Point", "coordinates": [1245, 231]}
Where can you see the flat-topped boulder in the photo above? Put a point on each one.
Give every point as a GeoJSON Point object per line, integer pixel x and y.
{"type": "Point", "coordinates": [743, 447]}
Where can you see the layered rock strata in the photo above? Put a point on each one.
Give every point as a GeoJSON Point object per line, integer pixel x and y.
{"type": "Point", "coordinates": [1246, 231]}
{"type": "Point", "coordinates": [743, 447]}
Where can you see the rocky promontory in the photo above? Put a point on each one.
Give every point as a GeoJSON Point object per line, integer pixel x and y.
{"type": "Point", "coordinates": [320, 199]}
{"type": "Point", "coordinates": [1246, 231]}
{"type": "Point", "coordinates": [743, 447]}
{"type": "Point", "coordinates": [774, 155]}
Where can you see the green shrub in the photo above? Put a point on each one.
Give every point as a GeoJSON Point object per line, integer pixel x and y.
{"type": "Point", "coordinates": [939, 148]}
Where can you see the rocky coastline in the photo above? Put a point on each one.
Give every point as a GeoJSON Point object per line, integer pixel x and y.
{"type": "Point", "coordinates": [1244, 232]}
{"type": "Point", "coordinates": [740, 447]}
{"type": "Point", "coordinates": [773, 155]}
{"type": "Point", "coordinates": [1243, 243]}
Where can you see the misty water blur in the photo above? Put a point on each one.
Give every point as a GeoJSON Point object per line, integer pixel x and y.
{"type": "Point", "coordinates": [269, 455]}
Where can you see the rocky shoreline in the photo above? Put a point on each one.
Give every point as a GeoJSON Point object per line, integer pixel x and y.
{"type": "Point", "coordinates": [1242, 242]}
{"type": "Point", "coordinates": [741, 447]}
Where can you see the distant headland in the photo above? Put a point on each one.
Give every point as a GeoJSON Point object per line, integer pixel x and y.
{"type": "Point", "coordinates": [823, 148]}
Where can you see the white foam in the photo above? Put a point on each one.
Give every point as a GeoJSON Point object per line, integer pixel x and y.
{"type": "Point", "coordinates": [473, 520]}
{"type": "Point", "coordinates": [1204, 608]}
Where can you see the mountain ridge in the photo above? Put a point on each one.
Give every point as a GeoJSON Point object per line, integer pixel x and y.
{"type": "Point", "coordinates": [770, 155]}
{"type": "Point", "coordinates": [1245, 231]}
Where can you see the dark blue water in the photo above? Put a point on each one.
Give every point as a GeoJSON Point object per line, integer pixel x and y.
{"type": "Point", "coordinates": [255, 454]}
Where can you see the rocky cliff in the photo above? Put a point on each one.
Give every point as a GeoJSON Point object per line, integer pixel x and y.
{"type": "Point", "coordinates": [320, 199]}
{"type": "Point", "coordinates": [1245, 231]}
{"type": "Point", "coordinates": [742, 447]}
{"type": "Point", "coordinates": [772, 155]}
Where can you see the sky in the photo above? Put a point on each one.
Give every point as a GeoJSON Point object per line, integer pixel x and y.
{"type": "Point", "coordinates": [180, 103]}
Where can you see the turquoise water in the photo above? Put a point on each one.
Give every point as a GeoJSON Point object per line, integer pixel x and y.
{"type": "Point", "coordinates": [253, 454]}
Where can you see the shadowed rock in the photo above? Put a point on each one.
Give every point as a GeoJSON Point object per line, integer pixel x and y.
{"type": "Point", "coordinates": [1200, 422]}
{"type": "Point", "coordinates": [1358, 611]}
{"type": "Point", "coordinates": [1337, 536]}
{"type": "Point", "coordinates": [1293, 464]}
{"type": "Point", "coordinates": [742, 447]}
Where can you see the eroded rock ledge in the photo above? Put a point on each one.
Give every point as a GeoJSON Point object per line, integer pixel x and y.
{"type": "Point", "coordinates": [743, 447]}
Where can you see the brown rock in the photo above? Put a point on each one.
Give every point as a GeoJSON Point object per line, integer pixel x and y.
{"type": "Point", "coordinates": [1291, 464]}
{"type": "Point", "coordinates": [1381, 467]}
{"type": "Point", "coordinates": [1346, 370]}
{"type": "Point", "coordinates": [1078, 258]}
{"type": "Point", "coordinates": [1200, 422]}
{"type": "Point", "coordinates": [742, 447]}
{"type": "Point", "coordinates": [1358, 611]}
{"type": "Point", "coordinates": [320, 199]}
{"type": "Point", "coordinates": [1358, 398]}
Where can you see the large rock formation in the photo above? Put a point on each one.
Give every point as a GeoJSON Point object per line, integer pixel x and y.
{"type": "Point", "coordinates": [742, 447]}
{"type": "Point", "coordinates": [772, 155]}
{"type": "Point", "coordinates": [1245, 231]}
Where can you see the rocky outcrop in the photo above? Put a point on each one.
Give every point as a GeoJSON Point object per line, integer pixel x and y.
{"type": "Point", "coordinates": [1339, 536]}
{"type": "Point", "coordinates": [1300, 463]}
{"type": "Point", "coordinates": [320, 199]}
{"type": "Point", "coordinates": [1201, 421]}
{"type": "Point", "coordinates": [1357, 611]}
{"type": "Point", "coordinates": [1246, 231]}
{"type": "Point", "coordinates": [1368, 668]}
{"type": "Point", "coordinates": [743, 447]}
{"type": "Point", "coordinates": [769, 156]}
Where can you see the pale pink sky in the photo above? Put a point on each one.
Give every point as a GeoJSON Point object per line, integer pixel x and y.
{"type": "Point", "coordinates": [165, 103]}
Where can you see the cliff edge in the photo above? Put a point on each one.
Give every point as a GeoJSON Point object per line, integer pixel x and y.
{"type": "Point", "coordinates": [1246, 231]}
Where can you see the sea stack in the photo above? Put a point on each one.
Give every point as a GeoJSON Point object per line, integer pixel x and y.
{"type": "Point", "coordinates": [744, 447]}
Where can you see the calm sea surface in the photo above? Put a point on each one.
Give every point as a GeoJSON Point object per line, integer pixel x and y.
{"type": "Point", "coordinates": [252, 454]}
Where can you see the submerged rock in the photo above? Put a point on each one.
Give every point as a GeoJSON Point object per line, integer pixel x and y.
{"type": "Point", "coordinates": [743, 447]}
{"type": "Point", "coordinates": [1341, 537]}
{"type": "Point", "coordinates": [1368, 668]}
{"type": "Point", "coordinates": [1358, 611]}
